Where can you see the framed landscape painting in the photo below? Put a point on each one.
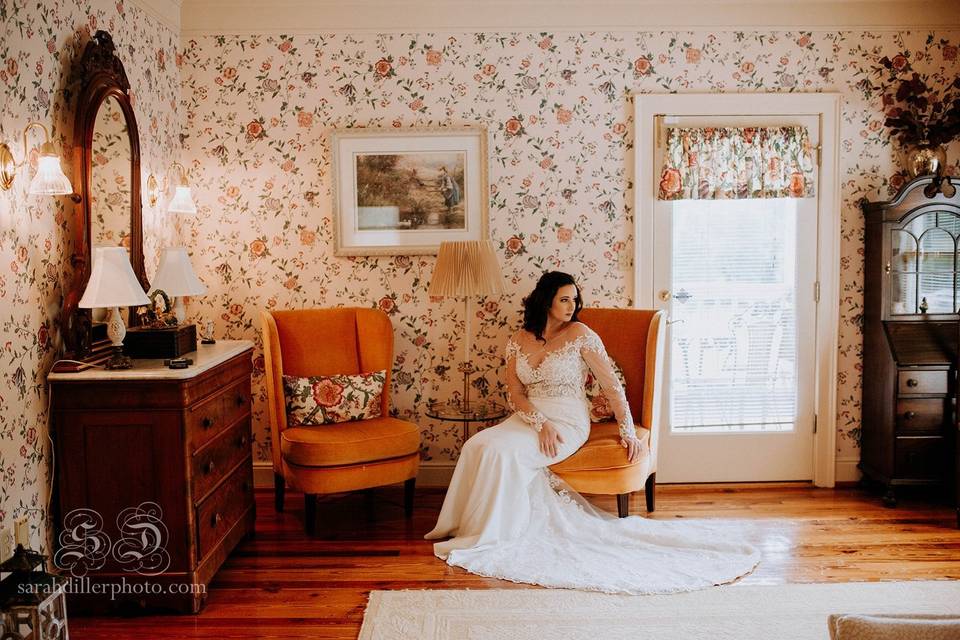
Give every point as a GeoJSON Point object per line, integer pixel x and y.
{"type": "Point", "coordinates": [404, 191]}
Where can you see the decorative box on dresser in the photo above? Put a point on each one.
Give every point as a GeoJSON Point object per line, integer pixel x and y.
{"type": "Point", "coordinates": [156, 463]}
{"type": "Point", "coordinates": [910, 327]}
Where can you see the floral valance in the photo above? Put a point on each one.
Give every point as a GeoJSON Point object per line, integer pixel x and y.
{"type": "Point", "coordinates": [713, 163]}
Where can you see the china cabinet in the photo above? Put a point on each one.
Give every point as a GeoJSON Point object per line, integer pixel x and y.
{"type": "Point", "coordinates": [910, 323]}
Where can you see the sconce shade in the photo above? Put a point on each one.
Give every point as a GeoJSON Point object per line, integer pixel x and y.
{"type": "Point", "coordinates": [50, 179]}
{"type": "Point", "coordinates": [182, 201]}
{"type": "Point", "coordinates": [112, 281]}
{"type": "Point", "coordinates": [175, 274]}
{"type": "Point", "coordinates": [466, 268]}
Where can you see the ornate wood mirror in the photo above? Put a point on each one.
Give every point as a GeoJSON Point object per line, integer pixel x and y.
{"type": "Point", "coordinates": [107, 178]}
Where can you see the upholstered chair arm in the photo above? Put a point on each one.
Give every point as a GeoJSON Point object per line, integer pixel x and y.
{"type": "Point", "coordinates": [273, 376]}
{"type": "Point", "coordinates": [653, 383]}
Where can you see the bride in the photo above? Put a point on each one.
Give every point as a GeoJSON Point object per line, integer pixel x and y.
{"type": "Point", "coordinates": [507, 516]}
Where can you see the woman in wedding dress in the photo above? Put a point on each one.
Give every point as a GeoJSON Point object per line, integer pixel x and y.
{"type": "Point", "coordinates": [507, 516]}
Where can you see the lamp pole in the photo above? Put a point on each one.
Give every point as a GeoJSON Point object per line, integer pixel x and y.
{"type": "Point", "coordinates": [467, 367]}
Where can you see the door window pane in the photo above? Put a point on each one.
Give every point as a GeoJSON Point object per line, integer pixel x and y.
{"type": "Point", "coordinates": [734, 352]}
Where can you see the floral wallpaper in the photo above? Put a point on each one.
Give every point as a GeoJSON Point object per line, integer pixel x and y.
{"type": "Point", "coordinates": [39, 42]}
{"type": "Point", "coordinates": [259, 109]}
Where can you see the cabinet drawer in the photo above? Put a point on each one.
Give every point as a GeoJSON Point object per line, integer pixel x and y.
{"type": "Point", "coordinates": [221, 509]}
{"type": "Point", "coordinates": [207, 419]}
{"type": "Point", "coordinates": [920, 458]}
{"type": "Point", "coordinates": [921, 382]}
{"type": "Point", "coordinates": [923, 415]}
{"type": "Point", "coordinates": [218, 457]}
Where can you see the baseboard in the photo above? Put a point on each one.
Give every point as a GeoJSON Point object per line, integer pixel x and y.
{"type": "Point", "coordinates": [847, 470]}
{"type": "Point", "coordinates": [435, 473]}
{"type": "Point", "coordinates": [432, 474]}
{"type": "Point", "coordinates": [263, 475]}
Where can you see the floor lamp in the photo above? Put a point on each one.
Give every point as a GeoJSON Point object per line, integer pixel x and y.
{"type": "Point", "coordinates": [465, 269]}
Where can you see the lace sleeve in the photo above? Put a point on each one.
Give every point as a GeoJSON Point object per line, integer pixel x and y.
{"type": "Point", "coordinates": [595, 355]}
{"type": "Point", "coordinates": [516, 392]}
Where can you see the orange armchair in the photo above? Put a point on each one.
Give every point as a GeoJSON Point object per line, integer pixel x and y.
{"type": "Point", "coordinates": [634, 339]}
{"type": "Point", "coordinates": [345, 456]}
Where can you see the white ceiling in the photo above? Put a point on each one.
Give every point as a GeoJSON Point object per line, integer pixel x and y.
{"type": "Point", "coordinates": [204, 17]}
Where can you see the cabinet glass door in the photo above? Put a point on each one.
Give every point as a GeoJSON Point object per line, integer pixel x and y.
{"type": "Point", "coordinates": [922, 270]}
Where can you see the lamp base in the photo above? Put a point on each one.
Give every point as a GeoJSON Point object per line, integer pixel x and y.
{"type": "Point", "coordinates": [466, 368]}
{"type": "Point", "coordinates": [118, 360]}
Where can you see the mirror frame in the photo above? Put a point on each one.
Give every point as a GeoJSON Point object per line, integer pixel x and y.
{"type": "Point", "coordinates": [101, 76]}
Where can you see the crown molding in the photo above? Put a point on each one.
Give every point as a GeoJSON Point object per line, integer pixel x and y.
{"type": "Point", "coordinates": [166, 11]}
{"type": "Point", "coordinates": [245, 17]}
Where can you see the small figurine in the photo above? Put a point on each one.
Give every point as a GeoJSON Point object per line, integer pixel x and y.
{"type": "Point", "coordinates": [923, 305]}
{"type": "Point", "coordinates": [157, 314]}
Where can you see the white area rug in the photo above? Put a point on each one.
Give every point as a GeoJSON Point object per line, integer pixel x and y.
{"type": "Point", "coordinates": [786, 612]}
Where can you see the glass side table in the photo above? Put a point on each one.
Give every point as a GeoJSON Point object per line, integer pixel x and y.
{"type": "Point", "coordinates": [480, 411]}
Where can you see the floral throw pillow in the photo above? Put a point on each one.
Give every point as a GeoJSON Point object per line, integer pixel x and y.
{"type": "Point", "coordinates": [329, 399]}
{"type": "Point", "coordinates": [600, 409]}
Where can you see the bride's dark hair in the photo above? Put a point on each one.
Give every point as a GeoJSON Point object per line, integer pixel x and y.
{"type": "Point", "coordinates": [538, 303]}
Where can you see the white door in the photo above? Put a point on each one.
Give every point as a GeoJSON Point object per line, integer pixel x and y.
{"type": "Point", "coordinates": [737, 278]}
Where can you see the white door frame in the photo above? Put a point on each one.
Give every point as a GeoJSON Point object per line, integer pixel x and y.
{"type": "Point", "coordinates": [827, 107]}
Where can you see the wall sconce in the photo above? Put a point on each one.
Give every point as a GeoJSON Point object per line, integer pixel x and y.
{"type": "Point", "coordinates": [49, 179]}
{"type": "Point", "coordinates": [153, 190]}
{"type": "Point", "coordinates": [182, 201]}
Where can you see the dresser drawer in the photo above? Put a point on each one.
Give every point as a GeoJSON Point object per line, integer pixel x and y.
{"type": "Point", "coordinates": [209, 418]}
{"type": "Point", "coordinates": [921, 415]}
{"type": "Point", "coordinates": [920, 458]}
{"type": "Point", "coordinates": [920, 382]}
{"type": "Point", "coordinates": [222, 508]}
{"type": "Point", "coordinates": [218, 457]}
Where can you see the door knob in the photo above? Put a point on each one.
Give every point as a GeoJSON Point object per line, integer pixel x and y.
{"type": "Point", "coordinates": [682, 296]}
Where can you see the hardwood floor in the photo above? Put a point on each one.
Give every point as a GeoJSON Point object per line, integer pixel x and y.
{"type": "Point", "coordinates": [281, 584]}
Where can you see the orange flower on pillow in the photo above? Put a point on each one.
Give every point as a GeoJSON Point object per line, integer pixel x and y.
{"type": "Point", "coordinates": [327, 393]}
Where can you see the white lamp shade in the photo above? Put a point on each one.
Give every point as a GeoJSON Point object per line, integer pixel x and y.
{"type": "Point", "coordinates": [112, 281]}
{"type": "Point", "coordinates": [50, 180]}
{"type": "Point", "coordinates": [175, 274]}
{"type": "Point", "coordinates": [182, 201]}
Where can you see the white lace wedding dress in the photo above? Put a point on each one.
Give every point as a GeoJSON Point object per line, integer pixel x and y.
{"type": "Point", "coordinates": [511, 518]}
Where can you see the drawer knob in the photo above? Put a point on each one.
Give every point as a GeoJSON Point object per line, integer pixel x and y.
{"type": "Point", "coordinates": [912, 382]}
{"type": "Point", "coordinates": [243, 441]}
{"type": "Point", "coordinates": [207, 422]}
{"type": "Point", "coordinates": [239, 401]}
{"type": "Point", "coordinates": [216, 519]}
{"type": "Point", "coordinates": [910, 415]}
{"type": "Point", "coordinates": [209, 467]}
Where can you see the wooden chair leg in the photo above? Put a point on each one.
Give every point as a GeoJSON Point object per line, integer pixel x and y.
{"type": "Point", "coordinates": [310, 513]}
{"type": "Point", "coordinates": [279, 487]}
{"type": "Point", "coordinates": [651, 491]}
{"type": "Point", "coordinates": [623, 505]}
{"type": "Point", "coordinates": [408, 487]}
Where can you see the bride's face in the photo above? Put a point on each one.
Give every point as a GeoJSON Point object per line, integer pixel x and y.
{"type": "Point", "coordinates": [564, 304]}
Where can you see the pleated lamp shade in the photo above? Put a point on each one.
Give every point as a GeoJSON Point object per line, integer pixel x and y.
{"type": "Point", "coordinates": [466, 268]}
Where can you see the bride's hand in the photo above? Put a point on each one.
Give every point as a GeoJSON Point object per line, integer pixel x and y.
{"type": "Point", "coordinates": [634, 448]}
{"type": "Point", "coordinates": [550, 438]}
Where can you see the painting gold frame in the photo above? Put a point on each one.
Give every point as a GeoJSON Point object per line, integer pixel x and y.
{"type": "Point", "coordinates": [404, 191]}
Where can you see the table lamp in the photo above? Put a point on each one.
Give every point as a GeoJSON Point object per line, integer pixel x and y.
{"type": "Point", "coordinates": [465, 269]}
{"type": "Point", "coordinates": [176, 278]}
{"type": "Point", "coordinates": [113, 285]}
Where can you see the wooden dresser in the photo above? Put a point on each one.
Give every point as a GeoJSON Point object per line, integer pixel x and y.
{"type": "Point", "coordinates": [154, 477]}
